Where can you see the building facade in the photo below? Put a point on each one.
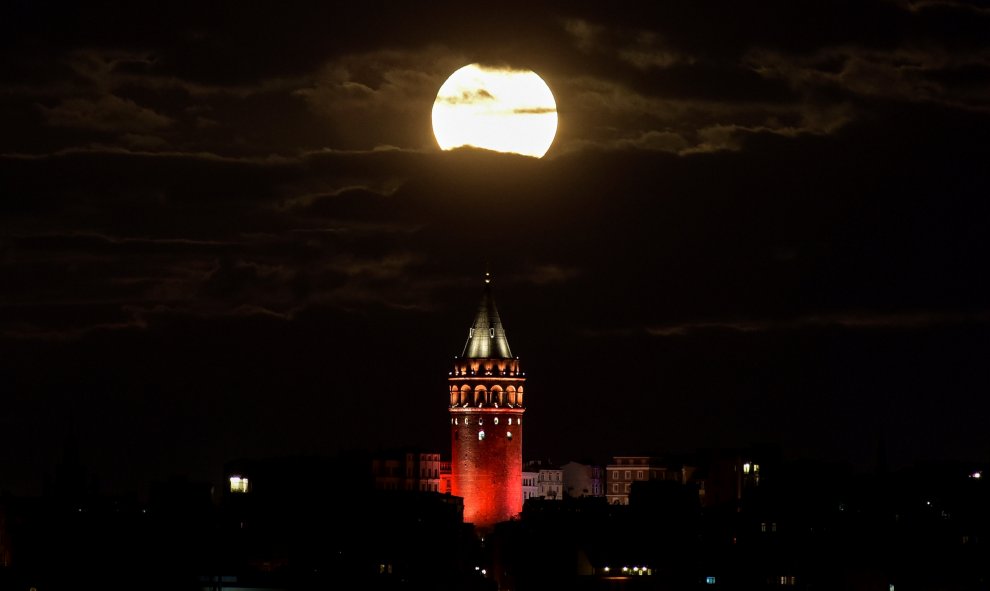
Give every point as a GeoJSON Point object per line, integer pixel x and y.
{"type": "Point", "coordinates": [550, 484]}
{"type": "Point", "coordinates": [529, 487]}
{"type": "Point", "coordinates": [583, 480]}
{"type": "Point", "coordinates": [407, 470]}
{"type": "Point", "coordinates": [542, 480]}
{"type": "Point", "coordinates": [486, 413]}
{"type": "Point", "coordinates": [625, 470]}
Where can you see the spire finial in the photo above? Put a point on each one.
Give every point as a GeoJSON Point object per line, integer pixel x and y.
{"type": "Point", "coordinates": [486, 338]}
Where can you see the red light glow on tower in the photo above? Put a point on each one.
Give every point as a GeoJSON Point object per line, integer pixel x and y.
{"type": "Point", "coordinates": [486, 430]}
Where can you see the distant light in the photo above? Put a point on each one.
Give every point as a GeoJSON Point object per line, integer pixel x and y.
{"type": "Point", "coordinates": [238, 484]}
{"type": "Point", "coordinates": [607, 569]}
{"type": "Point", "coordinates": [709, 580]}
{"type": "Point", "coordinates": [625, 569]}
{"type": "Point", "coordinates": [976, 475]}
{"type": "Point", "coordinates": [746, 468]}
{"type": "Point", "coordinates": [484, 572]}
{"type": "Point", "coordinates": [477, 568]}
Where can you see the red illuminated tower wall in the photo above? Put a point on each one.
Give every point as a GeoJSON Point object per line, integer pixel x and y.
{"type": "Point", "coordinates": [486, 416]}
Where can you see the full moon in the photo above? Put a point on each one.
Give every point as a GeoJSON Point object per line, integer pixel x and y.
{"type": "Point", "coordinates": [498, 109]}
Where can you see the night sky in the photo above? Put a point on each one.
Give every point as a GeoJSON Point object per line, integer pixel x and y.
{"type": "Point", "coordinates": [226, 230]}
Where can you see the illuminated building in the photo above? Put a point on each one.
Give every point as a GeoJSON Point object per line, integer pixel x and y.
{"type": "Point", "coordinates": [407, 469]}
{"type": "Point", "coordinates": [445, 477]}
{"type": "Point", "coordinates": [529, 478]}
{"type": "Point", "coordinates": [550, 484]}
{"type": "Point", "coordinates": [625, 470]}
{"type": "Point", "coordinates": [239, 484]}
{"type": "Point", "coordinates": [543, 481]}
{"type": "Point", "coordinates": [486, 415]}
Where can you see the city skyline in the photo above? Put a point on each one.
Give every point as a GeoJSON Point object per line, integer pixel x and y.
{"type": "Point", "coordinates": [229, 232]}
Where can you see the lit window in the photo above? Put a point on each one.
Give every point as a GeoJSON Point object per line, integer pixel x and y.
{"type": "Point", "coordinates": [510, 420]}
{"type": "Point", "coordinates": [508, 434]}
{"type": "Point", "coordinates": [746, 468]}
{"type": "Point", "coordinates": [520, 418]}
{"type": "Point", "coordinates": [710, 580]}
{"type": "Point", "coordinates": [455, 421]}
{"type": "Point", "coordinates": [496, 420]}
{"type": "Point", "coordinates": [481, 435]}
{"type": "Point", "coordinates": [238, 484]}
{"type": "Point", "coordinates": [639, 474]}
{"type": "Point", "coordinates": [480, 420]}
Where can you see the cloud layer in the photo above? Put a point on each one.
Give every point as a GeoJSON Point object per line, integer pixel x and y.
{"type": "Point", "coordinates": [237, 218]}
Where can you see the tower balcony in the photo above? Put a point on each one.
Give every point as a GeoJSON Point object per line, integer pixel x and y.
{"type": "Point", "coordinates": [468, 367]}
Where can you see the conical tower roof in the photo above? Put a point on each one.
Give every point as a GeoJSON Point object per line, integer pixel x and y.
{"type": "Point", "coordinates": [486, 338]}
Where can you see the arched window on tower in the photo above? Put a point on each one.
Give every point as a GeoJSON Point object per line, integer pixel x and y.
{"type": "Point", "coordinates": [498, 396]}
{"type": "Point", "coordinates": [511, 391]}
{"type": "Point", "coordinates": [465, 393]}
{"type": "Point", "coordinates": [479, 395]}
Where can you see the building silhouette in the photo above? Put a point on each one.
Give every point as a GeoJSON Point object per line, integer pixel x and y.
{"type": "Point", "coordinates": [583, 480]}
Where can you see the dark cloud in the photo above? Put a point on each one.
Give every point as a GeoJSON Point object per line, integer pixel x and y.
{"type": "Point", "coordinates": [233, 223]}
{"type": "Point", "coordinates": [107, 113]}
{"type": "Point", "coordinates": [479, 95]}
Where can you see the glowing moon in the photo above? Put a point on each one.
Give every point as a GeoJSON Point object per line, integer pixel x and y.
{"type": "Point", "coordinates": [496, 109]}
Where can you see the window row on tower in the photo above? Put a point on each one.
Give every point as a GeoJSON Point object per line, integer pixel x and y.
{"type": "Point", "coordinates": [481, 435]}
{"type": "Point", "coordinates": [481, 421]}
{"type": "Point", "coordinates": [481, 396]}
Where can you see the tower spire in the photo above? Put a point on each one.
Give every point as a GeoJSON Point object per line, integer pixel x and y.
{"type": "Point", "coordinates": [486, 337]}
